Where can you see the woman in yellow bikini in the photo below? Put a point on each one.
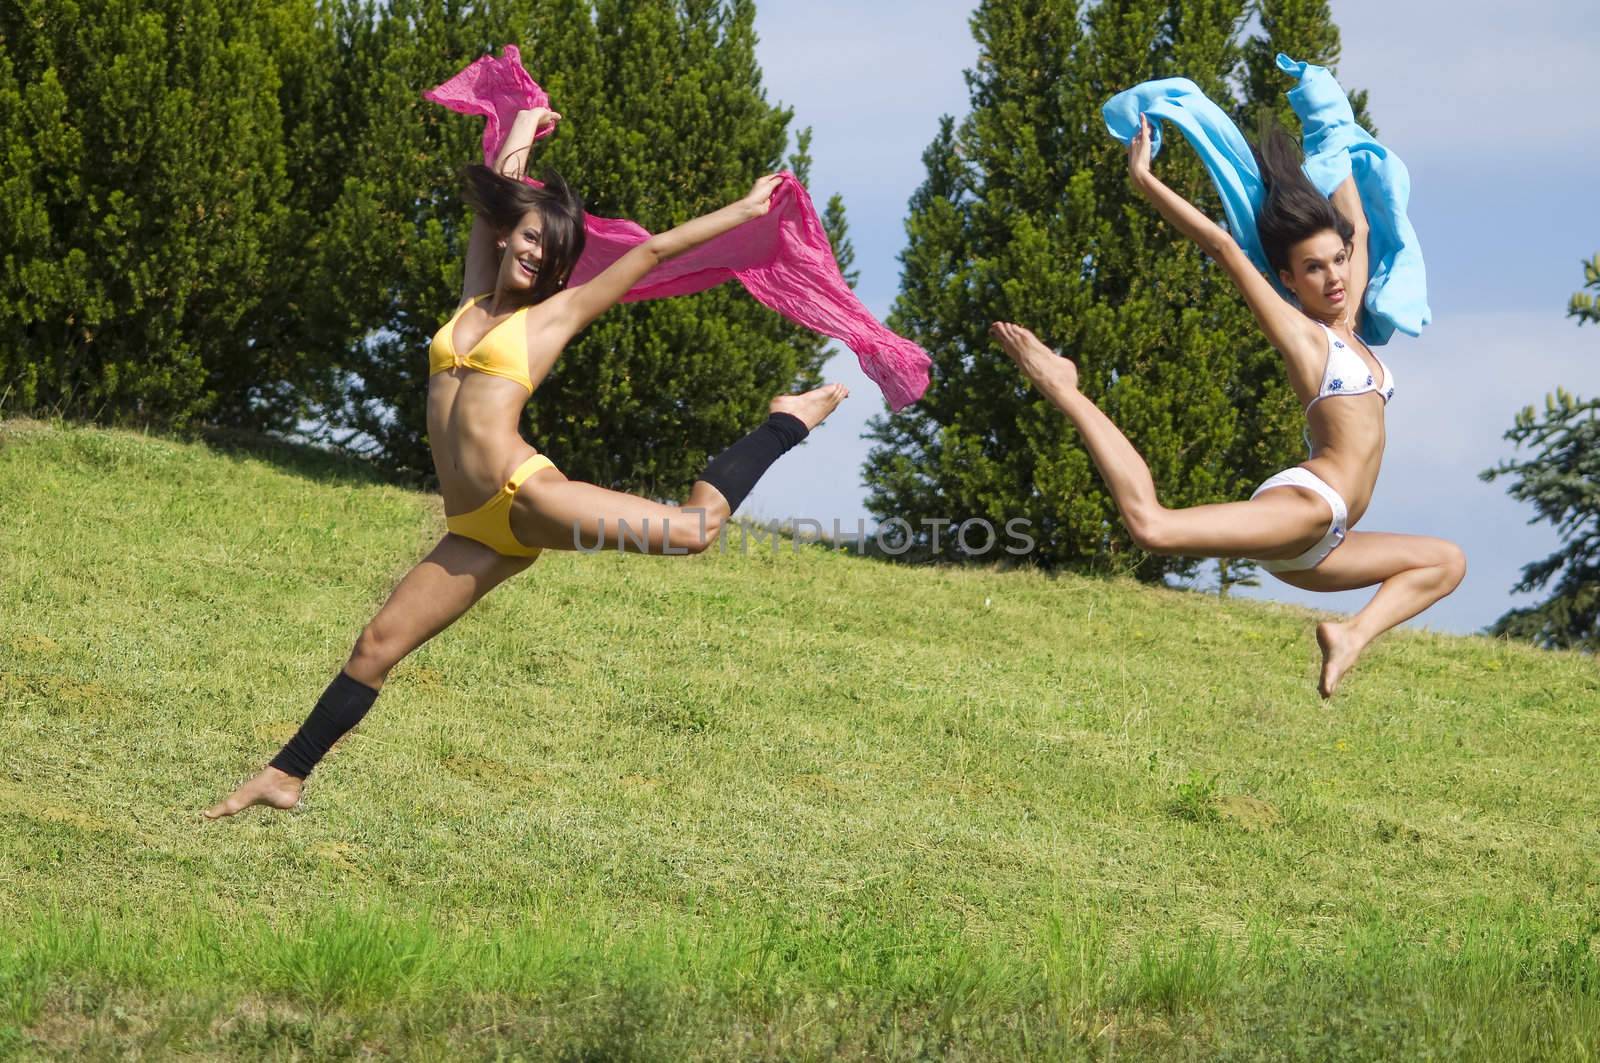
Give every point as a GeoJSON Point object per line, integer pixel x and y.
{"type": "Point", "coordinates": [504, 501]}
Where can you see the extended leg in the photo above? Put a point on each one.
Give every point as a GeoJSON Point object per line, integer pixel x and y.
{"type": "Point", "coordinates": [444, 585]}
{"type": "Point", "coordinates": [555, 513]}
{"type": "Point", "coordinates": [1281, 523]}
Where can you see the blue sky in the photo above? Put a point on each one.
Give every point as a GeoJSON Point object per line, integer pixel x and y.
{"type": "Point", "coordinates": [1495, 117]}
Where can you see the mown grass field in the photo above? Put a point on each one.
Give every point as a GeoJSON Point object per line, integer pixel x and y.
{"type": "Point", "coordinates": [792, 806]}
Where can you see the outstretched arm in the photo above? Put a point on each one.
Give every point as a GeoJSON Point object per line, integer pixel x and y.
{"type": "Point", "coordinates": [574, 308]}
{"type": "Point", "coordinates": [1285, 327]}
{"type": "Point", "coordinates": [518, 147]}
{"type": "Point", "coordinates": [1347, 201]}
{"type": "Point", "coordinates": [483, 258]}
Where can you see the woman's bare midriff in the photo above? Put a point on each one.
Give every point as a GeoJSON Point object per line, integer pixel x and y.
{"type": "Point", "coordinates": [472, 431]}
{"type": "Point", "coordinates": [1347, 436]}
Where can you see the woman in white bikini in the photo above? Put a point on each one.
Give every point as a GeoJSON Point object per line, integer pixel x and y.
{"type": "Point", "coordinates": [1298, 523]}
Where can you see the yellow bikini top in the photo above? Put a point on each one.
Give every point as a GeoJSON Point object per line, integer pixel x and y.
{"type": "Point", "coordinates": [502, 351]}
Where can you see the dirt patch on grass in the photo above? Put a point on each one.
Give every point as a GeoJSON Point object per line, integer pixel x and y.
{"type": "Point", "coordinates": [1250, 813]}
{"type": "Point", "coordinates": [59, 694]}
{"type": "Point", "coordinates": [276, 733]}
{"type": "Point", "coordinates": [70, 1021]}
{"type": "Point", "coordinates": [420, 677]}
{"type": "Point", "coordinates": [821, 784]}
{"type": "Point", "coordinates": [32, 805]}
{"type": "Point", "coordinates": [342, 855]}
{"type": "Point", "coordinates": [491, 771]}
{"type": "Point", "coordinates": [36, 644]}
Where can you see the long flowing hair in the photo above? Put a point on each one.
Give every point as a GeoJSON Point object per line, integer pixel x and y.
{"type": "Point", "coordinates": [502, 201]}
{"type": "Point", "coordinates": [1294, 210]}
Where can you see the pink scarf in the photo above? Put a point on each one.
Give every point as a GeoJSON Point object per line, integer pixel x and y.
{"type": "Point", "coordinates": [783, 259]}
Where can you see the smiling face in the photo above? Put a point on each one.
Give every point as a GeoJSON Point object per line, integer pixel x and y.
{"type": "Point", "coordinates": [1318, 269]}
{"type": "Point", "coordinates": [523, 254]}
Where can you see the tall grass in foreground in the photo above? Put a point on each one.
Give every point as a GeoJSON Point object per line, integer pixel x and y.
{"type": "Point", "coordinates": [350, 980]}
{"type": "Point", "coordinates": [779, 805]}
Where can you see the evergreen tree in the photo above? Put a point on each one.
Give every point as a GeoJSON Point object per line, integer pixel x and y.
{"type": "Point", "coordinates": [664, 119]}
{"type": "Point", "coordinates": [375, 188]}
{"type": "Point", "coordinates": [1027, 214]}
{"type": "Point", "coordinates": [143, 172]}
{"type": "Point", "coordinates": [1585, 305]}
{"type": "Point", "coordinates": [247, 214]}
{"type": "Point", "coordinates": [1301, 29]}
{"type": "Point", "coordinates": [1562, 480]}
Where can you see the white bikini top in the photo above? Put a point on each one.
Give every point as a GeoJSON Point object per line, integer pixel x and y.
{"type": "Point", "coordinates": [1347, 373]}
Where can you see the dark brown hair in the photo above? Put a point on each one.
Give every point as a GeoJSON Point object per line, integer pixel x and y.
{"type": "Point", "coordinates": [1294, 210]}
{"type": "Point", "coordinates": [502, 201]}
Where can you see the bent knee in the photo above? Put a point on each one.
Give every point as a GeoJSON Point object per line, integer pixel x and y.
{"type": "Point", "coordinates": [375, 652]}
{"type": "Point", "coordinates": [1453, 560]}
{"type": "Point", "coordinates": [692, 532]}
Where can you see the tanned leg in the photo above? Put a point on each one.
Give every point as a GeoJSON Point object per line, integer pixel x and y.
{"type": "Point", "coordinates": [430, 598]}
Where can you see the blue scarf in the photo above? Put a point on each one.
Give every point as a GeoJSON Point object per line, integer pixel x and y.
{"type": "Point", "coordinates": [1397, 284]}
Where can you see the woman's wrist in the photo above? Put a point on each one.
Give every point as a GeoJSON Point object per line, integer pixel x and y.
{"type": "Point", "coordinates": [737, 213]}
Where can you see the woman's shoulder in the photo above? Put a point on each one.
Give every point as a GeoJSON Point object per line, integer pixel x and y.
{"type": "Point", "coordinates": [1307, 338]}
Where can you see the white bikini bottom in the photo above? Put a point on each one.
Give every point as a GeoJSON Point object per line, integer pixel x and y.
{"type": "Point", "coordinates": [1298, 477]}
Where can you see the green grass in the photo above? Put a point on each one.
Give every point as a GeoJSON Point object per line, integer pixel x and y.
{"type": "Point", "coordinates": [797, 806]}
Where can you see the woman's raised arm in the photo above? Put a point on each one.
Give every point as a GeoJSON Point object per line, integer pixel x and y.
{"type": "Point", "coordinates": [1285, 327]}
{"type": "Point", "coordinates": [1347, 201]}
{"type": "Point", "coordinates": [518, 146]}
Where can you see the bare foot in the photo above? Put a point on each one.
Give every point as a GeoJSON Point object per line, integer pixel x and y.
{"type": "Point", "coordinates": [1038, 363]}
{"type": "Point", "coordinates": [269, 787]}
{"type": "Point", "coordinates": [812, 407]}
{"type": "Point", "coordinates": [1340, 648]}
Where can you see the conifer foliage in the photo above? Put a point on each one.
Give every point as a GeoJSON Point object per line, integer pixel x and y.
{"type": "Point", "coordinates": [663, 119]}
{"type": "Point", "coordinates": [1561, 478]}
{"type": "Point", "coordinates": [247, 214]}
{"type": "Point", "coordinates": [143, 173]}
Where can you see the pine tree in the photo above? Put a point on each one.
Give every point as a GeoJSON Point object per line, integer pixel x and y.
{"type": "Point", "coordinates": [143, 171]}
{"type": "Point", "coordinates": [1303, 30]}
{"type": "Point", "coordinates": [375, 187]}
{"type": "Point", "coordinates": [664, 119]}
{"type": "Point", "coordinates": [1027, 215]}
{"type": "Point", "coordinates": [1585, 305]}
{"type": "Point", "coordinates": [1562, 481]}
{"type": "Point", "coordinates": [247, 214]}
{"type": "Point", "coordinates": [834, 221]}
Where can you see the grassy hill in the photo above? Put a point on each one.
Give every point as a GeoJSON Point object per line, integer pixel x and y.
{"type": "Point", "coordinates": [792, 805]}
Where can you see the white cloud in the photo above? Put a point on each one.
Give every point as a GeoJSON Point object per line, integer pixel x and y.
{"type": "Point", "coordinates": [872, 81]}
{"type": "Point", "coordinates": [1463, 79]}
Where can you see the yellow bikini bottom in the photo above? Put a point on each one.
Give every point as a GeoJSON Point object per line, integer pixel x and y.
{"type": "Point", "coordinates": [490, 523]}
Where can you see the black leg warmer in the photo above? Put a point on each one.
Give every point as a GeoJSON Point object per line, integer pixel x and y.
{"type": "Point", "coordinates": [735, 471]}
{"type": "Point", "coordinates": [340, 708]}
